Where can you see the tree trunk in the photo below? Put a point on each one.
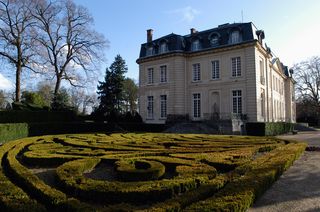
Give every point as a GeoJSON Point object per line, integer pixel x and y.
{"type": "Point", "coordinates": [57, 86]}
{"type": "Point", "coordinates": [18, 78]}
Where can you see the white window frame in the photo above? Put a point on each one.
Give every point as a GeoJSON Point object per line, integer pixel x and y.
{"type": "Point", "coordinates": [236, 66]}
{"type": "Point", "coordinates": [150, 107]}
{"type": "Point", "coordinates": [163, 74]}
{"type": "Point", "coordinates": [163, 106]}
{"type": "Point", "coordinates": [196, 105]}
{"type": "Point", "coordinates": [235, 37]}
{"type": "Point", "coordinates": [237, 101]}
{"type": "Point", "coordinates": [215, 73]}
{"type": "Point", "coordinates": [196, 72]}
{"type": "Point", "coordinates": [150, 76]}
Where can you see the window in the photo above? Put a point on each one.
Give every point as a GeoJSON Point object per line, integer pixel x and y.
{"type": "Point", "coordinates": [196, 105]}
{"type": "Point", "coordinates": [196, 72]}
{"type": "Point", "coordinates": [163, 106]}
{"type": "Point", "coordinates": [150, 76]}
{"type": "Point", "coordinates": [150, 51]}
{"type": "Point", "coordinates": [163, 47]}
{"type": "Point", "coordinates": [236, 66]}
{"type": "Point", "coordinates": [262, 79]}
{"type": "Point", "coordinates": [214, 41]}
{"type": "Point", "coordinates": [237, 101]}
{"type": "Point", "coordinates": [195, 45]}
{"type": "Point", "coordinates": [215, 69]}
{"type": "Point", "coordinates": [163, 73]}
{"type": "Point", "coordinates": [262, 103]}
{"type": "Point", "coordinates": [150, 107]}
{"type": "Point", "coordinates": [235, 37]}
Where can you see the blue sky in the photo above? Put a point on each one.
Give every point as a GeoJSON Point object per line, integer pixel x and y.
{"type": "Point", "coordinates": [292, 27]}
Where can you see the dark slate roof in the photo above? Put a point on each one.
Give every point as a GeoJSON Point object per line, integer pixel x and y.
{"type": "Point", "coordinates": [178, 43]}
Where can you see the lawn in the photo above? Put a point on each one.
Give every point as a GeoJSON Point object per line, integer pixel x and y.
{"type": "Point", "coordinates": [145, 172]}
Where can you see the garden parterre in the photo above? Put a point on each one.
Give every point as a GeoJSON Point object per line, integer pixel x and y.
{"type": "Point", "coordinates": [141, 172]}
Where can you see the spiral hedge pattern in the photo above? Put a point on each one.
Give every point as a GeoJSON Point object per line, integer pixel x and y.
{"type": "Point", "coordinates": [140, 172]}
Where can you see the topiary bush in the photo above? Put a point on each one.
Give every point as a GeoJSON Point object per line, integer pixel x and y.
{"type": "Point", "coordinates": [13, 131]}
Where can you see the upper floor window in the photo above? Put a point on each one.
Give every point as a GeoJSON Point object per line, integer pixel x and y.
{"type": "Point", "coordinates": [196, 76]}
{"type": "Point", "coordinates": [235, 37]}
{"type": "Point", "coordinates": [149, 51]}
{"type": "Point", "coordinates": [262, 79]}
{"type": "Point", "coordinates": [163, 47]}
{"type": "Point", "coordinates": [236, 66]}
{"type": "Point", "coordinates": [150, 76]}
{"type": "Point", "coordinates": [163, 73]}
{"type": "Point", "coordinates": [195, 45]}
{"type": "Point", "coordinates": [215, 69]}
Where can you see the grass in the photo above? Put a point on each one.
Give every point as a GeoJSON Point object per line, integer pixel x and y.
{"type": "Point", "coordinates": [146, 172]}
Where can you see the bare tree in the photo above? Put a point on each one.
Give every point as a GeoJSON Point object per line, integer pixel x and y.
{"type": "Point", "coordinates": [68, 46]}
{"type": "Point", "coordinates": [307, 75]}
{"type": "Point", "coordinates": [16, 35]}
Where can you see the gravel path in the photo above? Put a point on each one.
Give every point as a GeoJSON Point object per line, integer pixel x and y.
{"type": "Point", "coordinates": [298, 189]}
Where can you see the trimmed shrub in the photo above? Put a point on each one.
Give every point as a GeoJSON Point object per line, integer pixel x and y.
{"type": "Point", "coordinates": [139, 170]}
{"type": "Point", "coordinates": [268, 128]}
{"type": "Point", "coordinates": [13, 131]}
{"type": "Point", "coordinates": [36, 116]}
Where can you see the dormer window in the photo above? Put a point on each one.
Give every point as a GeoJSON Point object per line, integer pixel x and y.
{"type": "Point", "coordinates": [163, 47]}
{"type": "Point", "coordinates": [195, 46]}
{"type": "Point", "coordinates": [214, 41]}
{"type": "Point", "coordinates": [149, 51]}
{"type": "Point", "coordinates": [235, 37]}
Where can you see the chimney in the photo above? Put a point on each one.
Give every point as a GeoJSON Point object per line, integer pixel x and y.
{"type": "Point", "coordinates": [193, 31]}
{"type": "Point", "coordinates": [149, 35]}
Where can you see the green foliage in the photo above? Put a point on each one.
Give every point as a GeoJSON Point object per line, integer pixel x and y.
{"type": "Point", "coordinates": [61, 101]}
{"type": "Point", "coordinates": [12, 197]}
{"type": "Point", "coordinates": [111, 90]}
{"type": "Point", "coordinates": [13, 131]}
{"type": "Point", "coordinates": [268, 128]}
{"type": "Point", "coordinates": [130, 95]}
{"type": "Point", "coordinates": [36, 116]}
{"type": "Point", "coordinates": [33, 98]}
{"type": "Point", "coordinates": [144, 171]}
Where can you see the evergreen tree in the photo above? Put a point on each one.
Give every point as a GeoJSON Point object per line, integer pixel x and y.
{"type": "Point", "coordinates": [111, 90]}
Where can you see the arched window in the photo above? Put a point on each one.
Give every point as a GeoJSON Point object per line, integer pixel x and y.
{"type": "Point", "coordinates": [214, 39]}
{"type": "Point", "coordinates": [195, 45]}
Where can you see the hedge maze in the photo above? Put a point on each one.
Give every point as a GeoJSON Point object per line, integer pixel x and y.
{"type": "Point", "coordinates": [140, 172]}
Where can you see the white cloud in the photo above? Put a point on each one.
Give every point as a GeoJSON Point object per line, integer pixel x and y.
{"type": "Point", "coordinates": [187, 13]}
{"type": "Point", "coordinates": [5, 84]}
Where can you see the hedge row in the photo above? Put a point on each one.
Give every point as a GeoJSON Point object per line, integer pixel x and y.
{"type": "Point", "coordinates": [268, 128]}
{"type": "Point", "coordinates": [17, 116]}
{"type": "Point", "coordinates": [13, 131]}
{"type": "Point", "coordinates": [251, 180]}
{"type": "Point", "coordinates": [12, 197]}
{"type": "Point", "coordinates": [71, 178]}
{"type": "Point", "coordinates": [49, 196]}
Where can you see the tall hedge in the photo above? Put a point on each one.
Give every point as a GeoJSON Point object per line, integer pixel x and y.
{"type": "Point", "coordinates": [268, 128]}
{"type": "Point", "coordinates": [13, 131]}
{"type": "Point", "coordinates": [36, 116]}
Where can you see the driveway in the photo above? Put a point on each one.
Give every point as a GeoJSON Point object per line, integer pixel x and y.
{"type": "Point", "coordinates": [298, 189]}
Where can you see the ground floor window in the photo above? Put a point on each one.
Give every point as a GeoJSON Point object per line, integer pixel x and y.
{"type": "Point", "coordinates": [196, 105]}
{"type": "Point", "coordinates": [237, 101]}
{"type": "Point", "coordinates": [163, 106]}
{"type": "Point", "coordinates": [150, 107]}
